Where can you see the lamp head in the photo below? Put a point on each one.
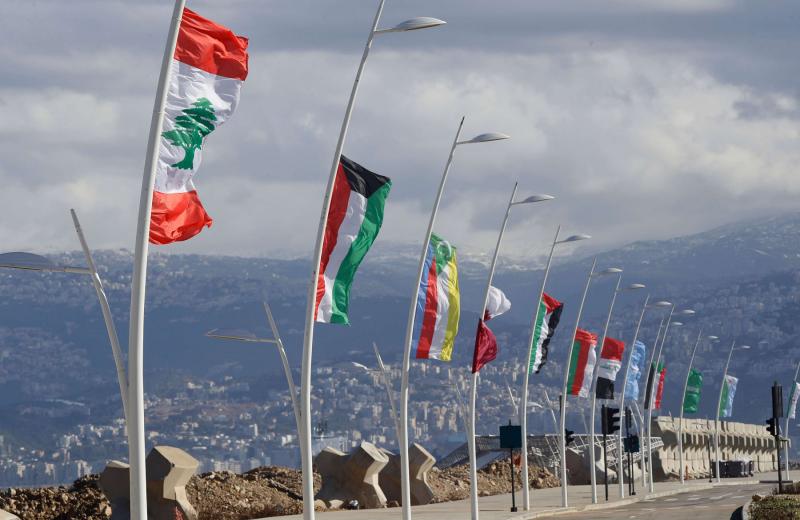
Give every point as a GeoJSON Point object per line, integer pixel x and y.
{"type": "Point", "coordinates": [32, 262]}
{"type": "Point", "coordinates": [486, 138]}
{"type": "Point", "coordinates": [685, 312]}
{"type": "Point", "coordinates": [414, 24]}
{"type": "Point", "coordinates": [633, 287]}
{"type": "Point", "coordinates": [610, 270]}
{"type": "Point", "coordinates": [574, 238]}
{"type": "Point", "coordinates": [661, 303]}
{"type": "Point", "coordinates": [539, 197]}
{"type": "Point", "coordinates": [237, 335]}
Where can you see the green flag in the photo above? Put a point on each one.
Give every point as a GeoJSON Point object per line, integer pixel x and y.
{"type": "Point", "coordinates": [692, 398]}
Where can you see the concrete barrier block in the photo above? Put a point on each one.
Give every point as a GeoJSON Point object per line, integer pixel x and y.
{"type": "Point", "coordinates": [420, 461]}
{"type": "Point", "coordinates": [353, 476]}
{"type": "Point", "coordinates": [5, 515]}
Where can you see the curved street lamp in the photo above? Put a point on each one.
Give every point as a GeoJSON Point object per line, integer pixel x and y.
{"type": "Point", "coordinates": [528, 363]}
{"type": "Point", "coordinates": [402, 430]}
{"type": "Point", "coordinates": [719, 402]}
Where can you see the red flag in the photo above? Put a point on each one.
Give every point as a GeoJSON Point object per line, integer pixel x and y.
{"type": "Point", "coordinates": [485, 347]}
{"type": "Point", "coordinates": [660, 391]}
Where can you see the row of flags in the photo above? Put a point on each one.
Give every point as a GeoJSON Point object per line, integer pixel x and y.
{"type": "Point", "coordinates": [209, 66]}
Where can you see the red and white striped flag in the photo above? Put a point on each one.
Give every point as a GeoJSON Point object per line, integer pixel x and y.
{"type": "Point", "coordinates": [208, 68]}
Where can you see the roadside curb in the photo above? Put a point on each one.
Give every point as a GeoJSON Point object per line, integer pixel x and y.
{"type": "Point", "coordinates": [531, 515]}
{"type": "Point", "coordinates": [746, 510]}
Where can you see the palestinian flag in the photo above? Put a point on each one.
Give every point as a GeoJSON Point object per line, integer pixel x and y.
{"type": "Point", "coordinates": [547, 317]}
{"type": "Point", "coordinates": [581, 364]}
{"type": "Point", "coordinates": [610, 363]}
{"type": "Point", "coordinates": [438, 302]}
{"type": "Point", "coordinates": [208, 68]}
{"type": "Point", "coordinates": [691, 400]}
{"type": "Point", "coordinates": [354, 220]}
{"type": "Point", "coordinates": [662, 375]}
{"type": "Point", "coordinates": [485, 347]}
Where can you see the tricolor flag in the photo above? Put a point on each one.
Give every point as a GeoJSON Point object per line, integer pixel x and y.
{"type": "Point", "coordinates": [438, 302]}
{"type": "Point", "coordinates": [354, 219]}
{"type": "Point", "coordinates": [728, 391]}
{"type": "Point", "coordinates": [610, 363]}
{"type": "Point", "coordinates": [496, 304]}
{"type": "Point", "coordinates": [795, 393]}
{"type": "Point", "coordinates": [691, 400]}
{"type": "Point", "coordinates": [581, 365]}
{"type": "Point", "coordinates": [635, 372]}
{"type": "Point", "coordinates": [208, 68]}
{"type": "Point", "coordinates": [662, 376]}
{"type": "Point", "coordinates": [485, 347]}
{"type": "Point", "coordinates": [547, 317]}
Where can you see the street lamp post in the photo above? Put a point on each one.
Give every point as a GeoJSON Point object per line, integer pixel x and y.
{"type": "Point", "coordinates": [563, 418]}
{"type": "Point", "coordinates": [526, 367]}
{"type": "Point", "coordinates": [593, 389]}
{"type": "Point", "coordinates": [620, 469]}
{"type": "Point", "coordinates": [308, 336]}
{"type": "Point", "coordinates": [402, 431]}
{"type": "Point", "coordinates": [31, 262]}
{"type": "Point", "coordinates": [473, 463]}
{"type": "Point", "coordinates": [651, 402]}
{"type": "Point", "coordinates": [249, 337]}
{"type": "Point", "coordinates": [683, 398]}
{"type": "Point", "coordinates": [719, 403]}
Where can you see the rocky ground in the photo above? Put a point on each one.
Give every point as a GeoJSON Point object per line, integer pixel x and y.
{"type": "Point", "coordinates": [262, 492]}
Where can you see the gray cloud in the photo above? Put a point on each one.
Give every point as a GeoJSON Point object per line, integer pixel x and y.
{"type": "Point", "coordinates": [646, 119]}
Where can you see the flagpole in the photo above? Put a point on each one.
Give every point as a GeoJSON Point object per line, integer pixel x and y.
{"type": "Point", "coordinates": [136, 440]}
{"type": "Point", "coordinates": [652, 400]}
{"type": "Point", "coordinates": [645, 400]}
{"type": "Point", "coordinates": [308, 337]}
{"type": "Point", "coordinates": [119, 360]}
{"type": "Point", "coordinates": [473, 463]}
{"type": "Point", "coordinates": [285, 361]}
{"type": "Point", "coordinates": [523, 411]}
{"type": "Point", "coordinates": [593, 391]}
{"type": "Point", "coordinates": [620, 464]}
{"type": "Point", "coordinates": [719, 403]}
{"type": "Point", "coordinates": [683, 398]}
{"type": "Point", "coordinates": [786, 429]}
{"type": "Point", "coordinates": [405, 474]}
{"type": "Point", "coordinates": [563, 422]}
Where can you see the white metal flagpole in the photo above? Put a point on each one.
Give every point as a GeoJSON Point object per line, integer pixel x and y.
{"type": "Point", "coordinates": [473, 463]}
{"type": "Point", "coordinates": [405, 476]}
{"type": "Point", "coordinates": [136, 440]}
{"type": "Point", "coordinates": [651, 403]}
{"type": "Point", "coordinates": [646, 405]}
{"type": "Point", "coordinates": [593, 391]}
{"type": "Point", "coordinates": [308, 337]}
{"type": "Point", "coordinates": [119, 361]}
{"type": "Point", "coordinates": [620, 462]}
{"type": "Point", "coordinates": [683, 398]}
{"type": "Point", "coordinates": [523, 410]}
{"type": "Point", "coordinates": [563, 423]}
{"type": "Point", "coordinates": [719, 403]}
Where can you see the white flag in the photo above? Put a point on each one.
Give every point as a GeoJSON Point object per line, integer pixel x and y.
{"type": "Point", "coordinates": [497, 303]}
{"type": "Point", "coordinates": [793, 400]}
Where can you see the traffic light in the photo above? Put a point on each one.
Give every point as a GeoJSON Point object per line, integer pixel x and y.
{"type": "Point", "coordinates": [773, 427]}
{"type": "Point", "coordinates": [610, 420]}
{"type": "Point", "coordinates": [568, 437]}
{"type": "Point", "coordinates": [628, 419]}
{"type": "Point", "coordinates": [631, 444]}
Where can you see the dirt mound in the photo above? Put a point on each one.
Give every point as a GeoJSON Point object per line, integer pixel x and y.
{"type": "Point", "coordinates": [262, 492]}
{"type": "Point", "coordinates": [81, 501]}
{"type": "Point", "coordinates": [453, 483]}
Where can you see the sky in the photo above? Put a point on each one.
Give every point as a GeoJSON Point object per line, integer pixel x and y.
{"type": "Point", "coordinates": [645, 119]}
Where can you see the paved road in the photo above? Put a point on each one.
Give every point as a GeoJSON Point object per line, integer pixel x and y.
{"type": "Point", "coordinates": [713, 504]}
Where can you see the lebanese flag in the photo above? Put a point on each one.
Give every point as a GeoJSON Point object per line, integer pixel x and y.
{"type": "Point", "coordinates": [610, 363]}
{"type": "Point", "coordinates": [547, 318]}
{"type": "Point", "coordinates": [355, 216]}
{"type": "Point", "coordinates": [208, 68]}
{"type": "Point", "coordinates": [485, 347]}
{"type": "Point", "coordinates": [581, 364]}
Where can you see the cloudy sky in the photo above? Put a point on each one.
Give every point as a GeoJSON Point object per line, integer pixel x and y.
{"type": "Point", "coordinates": [646, 118]}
